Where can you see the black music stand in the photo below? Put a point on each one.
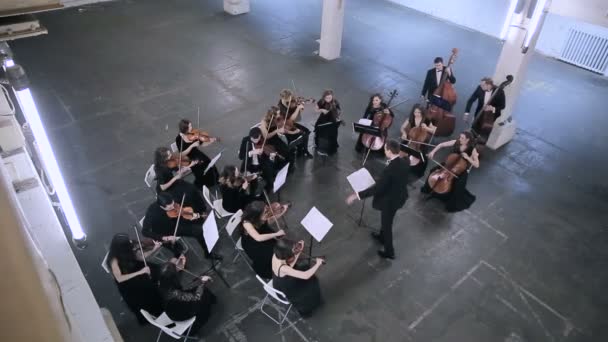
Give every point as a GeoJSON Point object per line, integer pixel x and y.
{"type": "Point", "coordinates": [410, 151]}
{"type": "Point", "coordinates": [364, 129]}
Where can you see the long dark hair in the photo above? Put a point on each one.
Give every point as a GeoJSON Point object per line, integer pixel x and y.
{"type": "Point", "coordinates": [253, 213]}
{"type": "Point", "coordinates": [228, 176]}
{"type": "Point", "coordinates": [371, 101]}
{"type": "Point", "coordinates": [168, 278]}
{"type": "Point", "coordinates": [160, 156]}
{"type": "Point", "coordinates": [121, 249]}
{"type": "Point", "coordinates": [469, 137]}
{"type": "Point", "coordinates": [413, 118]}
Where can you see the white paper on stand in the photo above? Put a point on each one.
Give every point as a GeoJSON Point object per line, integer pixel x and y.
{"type": "Point", "coordinates": [280, 179]}
{"type": "Point", "coordinates": [212, 162]}
{"type": "Point", "coordinates": [210, 232]}
{"type": "Point", "coordinates": [316, 224]}
{"type": "Point", "coordinates": [365, 122]}
{"type": "Point", "coordinates": [360, 180]}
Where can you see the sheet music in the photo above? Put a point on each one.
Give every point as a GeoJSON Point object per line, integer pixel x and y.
{"type": "Point", "coordinates": [360, 180]}
{"type": "Point", "coordinates": [316, 224]}
{"type": "Point", "coordinates": [279, 180]}
{"type": "Point", "coordinates": [210, 232]}
{"type": "Point", "coordinates": [365, 122]}
{"type": "Point", "coordinates": [212, 162]}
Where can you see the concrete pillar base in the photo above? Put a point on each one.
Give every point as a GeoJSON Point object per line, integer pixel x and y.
{"type": "Point", "coordinates": [236, 7]}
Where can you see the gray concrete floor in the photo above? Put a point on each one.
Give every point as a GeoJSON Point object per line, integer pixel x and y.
{"type": "Point", "coordinates": [528, 259]}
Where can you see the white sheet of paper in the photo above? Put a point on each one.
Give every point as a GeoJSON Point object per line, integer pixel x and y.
{"type": "Point", "coordinates": [316, 224]}
{"type": "Point", "coordinates": [210, 232]}
{"type": "Point", "coordinates": [365, 122]}
{"type": "Point", "coordinates": [360, 180]}
{"type": "Point", "coordinates": [280, 179]}
{"type": "Point", "coordinates": [212, 162]}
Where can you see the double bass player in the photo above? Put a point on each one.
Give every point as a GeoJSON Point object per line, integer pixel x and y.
{"type": "Point", "coordinates": [433, 78]}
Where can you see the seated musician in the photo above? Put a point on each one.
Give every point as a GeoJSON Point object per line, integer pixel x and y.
{"type": "Point", "coordinates": [482, 95]}
{"type": "Point", "coordinates": [374, 106]}
{"type": "Point", "coordinates": [457, 198]}
{"type": "Point", "coordinates": [159, 223]}
{"type": "Point", "coordinates": [275, 135]}
{"type": "Point", "coordinates": [188, 144]}
{"type": "Point", "coordinates": [291, 108]}
{"type": "Point", "coordinates": [236, 190]}
{"type": "Point", "coordinates": [255, 160]}
{"type": "Point", "coordinates": [169, 178]}
{"type": "Point", "coordinates": [327, 124]}
{"type": "Point", "coordinates": [422, 131]}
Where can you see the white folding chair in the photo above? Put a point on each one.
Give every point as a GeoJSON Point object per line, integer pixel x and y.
{"type": "Point", "coordinates": [104, 263]}
{"type": "Point", "coordinates": [163, 322]}
{"type": "Point", "coordinates": [215, 204]}
{"type": "Point", "coordinates": [150, 177]}
{"type": "Point", "coordinates": [234, 222]}
{"type": "Point", "coordinates": [174, 147]}
{"type": "Point", "coordinates": [279, 296]}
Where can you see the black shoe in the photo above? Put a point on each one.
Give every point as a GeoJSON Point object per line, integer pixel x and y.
{"type": "Point", "coordinates": [384, 255]}
{"type": "Point", "coordinates": [214, 256]}
{"type": "Point", "coordinates": [377, 237]}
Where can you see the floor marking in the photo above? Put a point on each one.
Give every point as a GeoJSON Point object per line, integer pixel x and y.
{"type": "Point", "coordinates": [485, 223]}
{"type": "Point", "coordinates": [241, 282]}
{"type": "Point", "coordinates": [430, 310]}
{"type": "Point", "coordinates": [512, 307]}
{"type": "Point", "coordinates": [477, 281]}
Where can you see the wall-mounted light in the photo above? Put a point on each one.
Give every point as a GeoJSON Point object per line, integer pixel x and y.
{"type": "Point", "coordinates": [507, 23]}
{"type": "Point", "coordinates": [20, 84]}
{"type": "Point", "coordinates": [533, 25]}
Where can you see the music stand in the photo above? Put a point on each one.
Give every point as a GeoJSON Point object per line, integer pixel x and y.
{"type": "Point", "coordinates": [361, 180]}
{"type": "Point", "coordinates": [211, 235]}
{"type": "Point", "coordinates": [410, 151]}
{"type": "Point", "coordinates": [317, 226]}
{"type": "Point", "coordinates": [366, 129]}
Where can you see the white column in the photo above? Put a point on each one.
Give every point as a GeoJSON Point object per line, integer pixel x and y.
{"type": "Point", "coordinates": [236, 7]}
{"type": "Point", "coordinates": [332, 23]}
{"type": "Point", "coordinates": [514, 60]}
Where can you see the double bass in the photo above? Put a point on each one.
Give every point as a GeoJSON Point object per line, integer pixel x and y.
{"type": "Point", "coordinates": [383, 121]}
{"type": "Point", "coordinates": [442, 101]}
{"type": "Point", "coordinates": [484, 119]}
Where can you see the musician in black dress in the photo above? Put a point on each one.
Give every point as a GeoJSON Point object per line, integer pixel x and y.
{"type": "Point", "coordinates": [293, 113]}
{"type": "Point", "coordinates": [276, 136]}
{"type": "Point", "coordinates": [326, 127]}
{"type": "Point", "coordinates": [459, 198]}
{"type": "Point", "coordinates": [433, 78]}
{"type": "Point", "coordinates": [235, 190]}
{"type": "Point", "coordinates": [423, 126]}
{"type": "Point", "coordinates": [189, 145]}
{"type": "Point", "coordinates": [132, 277]}
{"type": "Point", "coordinates": [258, 239]}
{"type": "Point", "coordinates": [171, 179]}
{"type": "Point", "coordinates": [375, 105]}
{"type": "Point", "coordinates": [160, 227]}
{"type": "Point", "coordinates": [180, 303]}
{"type": "Point", "coordinates": [483, 96]}
{"type": "Point", "coordinates": [298, 283]}
{"type": "Point", "coordinates": [255, 161]}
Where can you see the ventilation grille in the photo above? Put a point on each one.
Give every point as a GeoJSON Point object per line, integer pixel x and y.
{"type": "Point", "coordinates": [586, 50]}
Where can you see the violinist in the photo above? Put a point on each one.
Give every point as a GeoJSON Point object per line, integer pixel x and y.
{"type": "Point", "coordinates": [291, 109]}
{"type": "Point", "coordinates": [433, 78]}
{"type": "Point", "coordinates": [448, 183]}
{"type": "Point", "coordinates": [169, 176]}
{"type": "Point", "coordinates": [160, 221]}
{"type": "Point", "coordinates": [300, 284]}
{"type": "Point", "coordinates": [188, 144]}
{"type": "Point", "coordinates": [235, 189]}
{"type": "Point", "coordinates": [275, 134]}
{"type": "Point", "coordinates": [258, 238]}
{"type": "Point", "coordinates": [483, 94]}
{"type": "Point", "coordinates": [417, 129]}
{"type": "Point", "coordinates": [326, 127]}
{"type": "Point", "coordinates": [255, 160]}
{"type": "Point", "coordinates": [375, 105]}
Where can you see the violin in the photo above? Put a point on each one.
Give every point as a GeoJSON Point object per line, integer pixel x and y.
{"type": "Point", "coordinates": [297, 249]}
{"type": "Point", "coordinates": [441, 180]}
{"type": "Point", "coordinates": [187, 212]}
{"type": "Point", "coordinates": [197, 134]}
{"type": "Point", "coordinates": [442, 101]}
{"type": "Point", "coordinates": [175, 160]}
{"type": "Point", "coordinates": [274, 211]}
{"type": "Point", "coordinates": [383, 121]}
{"type": "Point", "coordinates": [268, 149]}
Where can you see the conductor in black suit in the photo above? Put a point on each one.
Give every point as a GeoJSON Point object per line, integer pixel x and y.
{"type": "Point", "coordinates": [482, 95]}
{"type": "Point", "coordinates": [433, 78]}
{"type": "Point", "coordinates": [390, 194]}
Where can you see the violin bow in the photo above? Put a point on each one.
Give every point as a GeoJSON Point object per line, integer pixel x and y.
{"type": "Point", "coordinates": [443, 167]}
{"type": "Point", "coordinates": [179, 161]}
{"type": "Point", "coordinates": [246, 154]}
{"type": "Point", "coordinates": [272, 211]}
{"type": "Point", "coordinates": [267, 131]}
{"type": "Point", "coordinates": [179, 216]}
{"type": "Point", "coordinates": [141, 249]}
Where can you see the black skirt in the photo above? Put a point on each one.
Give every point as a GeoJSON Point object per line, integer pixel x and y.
{"type": "Point", "coordinates": [458, 199]}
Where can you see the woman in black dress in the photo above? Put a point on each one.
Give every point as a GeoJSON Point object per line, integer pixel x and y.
{"type": "Point", "coordinates": [293, 113]}
{"type": "Point", "coordinates": [188, 145]}
{"type": "Point", "coordinates": [258, 239]}
{"type": "Point", "coordinates": [181, 304]}
{"type": "Point", "coordinates": [326, 127]}
{"type": "Point", "coordinates": [459, 198]}
{"type": "Point", "coordinates": [375, 105]}
{"type": "Point", "coordinates": [170, 179]}
{"type": "Point", "coordinates": [300, 286]}
{"type": "Point", "coordinates": [132, 277]}
{"type": "Point", "coordinates": [419, 120]}
{"type": "Point", "coordinates": [235, 190]}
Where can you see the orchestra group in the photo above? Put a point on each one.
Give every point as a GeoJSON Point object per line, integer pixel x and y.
{"type": "Point", "coordinates": [179, 210]}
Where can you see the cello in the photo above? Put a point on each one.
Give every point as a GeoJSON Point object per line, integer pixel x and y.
{"type": "Point", "coordinates": [442, 180]}
{"type": "Point", "coordinates": [442, 101]}
{"type": "Point", "coordinates": [484, 119]}
{"type": "Point", "coordinates": [383, 121]}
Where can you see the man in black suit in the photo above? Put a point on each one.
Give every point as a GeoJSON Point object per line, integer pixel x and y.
{"type": "Point", "coordinates": [482, 95]}
{"type": "Point", "coordinates": [256, 160]}
{"type": "Point", "coordinates": [433, 78]}
{"type": "Point", "coordinates": [390, 194]}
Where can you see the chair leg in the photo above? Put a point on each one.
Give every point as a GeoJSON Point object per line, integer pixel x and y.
{"type": "Point", "coordinates": [188, 333]}
{"type": "Point", "coordinates": [159, 333]}
{"type": "Point", "coordinates": [281, 320]}
{"type": "Point", "coordinates": [286, 313]}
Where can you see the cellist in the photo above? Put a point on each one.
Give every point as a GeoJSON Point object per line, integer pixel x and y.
{"type": "Point", "coordinates": [416, 132]}
{"type": "Point", "coordinates": [376, 104]}
{"type": "Point", "coordinates": [433, 78]}
{"type": "Point", "coordinates": [462, 149]}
